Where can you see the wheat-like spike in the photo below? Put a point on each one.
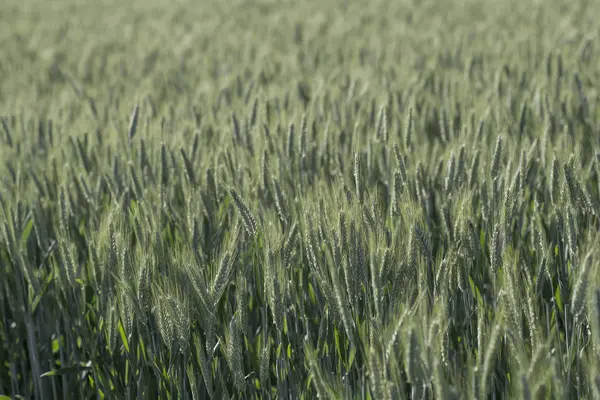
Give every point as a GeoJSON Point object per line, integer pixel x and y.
{"type": "Point", "coordinates": [375, 286]}
{"type": "Point", "coordinates": [496, 250]}
{"type": "Point", "coordinates": [191, 376]}
{"type": "Point", "coordinates": [351, 273]}
{"type": "Point", "coordinates": [571, 230]}
{"type": "Point", "coordinates": [408, 128]}
{"type": "Point", "coordinates": [570, 184]}
{"type": "Point", "coordinates": [382, 128]}
{"type": "Point", "coordinates": [473, 239]}
{"type": "Point", "coordinates": [280, 204]}
{"type": "Point", "coordinates": [485, 201]}
{"type": "Point", "coordinates": [323, 389]}
{"type": "Point", "coordinates": [291, 137]}
{"type": "Point", "coordinates": [554, 181]}
{"type": "Point", "coordinates": [490, 353]}
{"type": "Point", "coordinates": [523, 118]}
{"type": "Point", "coordinates": [64, 211]}
{"type": "Point", "coordinates": [582, 97]}
{"type": "Point", "coordinates": [451, 174]}
{"type": "Point", "coordinates": [265, 368]}
{"type": "Point", "coordinates": [70, 268]}
{"type": "Point", "coordinates": [509, 204]}
{"type": "Point", "coordinates": [181, 313]}
{"type": "Point", "coordinates": [222, 277]}
{"type": "Point", "coordinates": [272, 290]}
{"type": "Point", "coordinates": [423, 242]}
{"type": "Point", "coordinates": [254, 113]}
{"type": "Point", "coordinates": [133, 123]}
{"type": "Point", "coordinates": [578, 299]}
{"type": "Point", "coordinates": [303, 136]}
{"type": "Point", "coordinates": [143, 284]}
{"type": "Point", "coordinates": [234, 350]}
{"type": "Point", "coordinates": [495, 167]}
{"type": "Point", "coordinates": [111, 319]}
{"type": "Point", "coordinates": [385, 269]}
{"type": "Point", "coordinates": [460, 167]}
{"type": "Point", "coordinates": [342, 305]}
{"type": "Point", "coordinates": [237, 133]}
{"type": "Point", "coordinates": [7, 132]}
{"type": "Point", "coordinates": [357, 177]}
{"type": "Point", "coordinates": [164, 167]}
{"type": "Point", "coordinates": [413, 359]}
{"type": "Point", "coordinates": [188, 166]}
{"type": "Point", "coordinates": [376, 375]}
{"type": "Point", "coordinates": [398, 188]}
{"type": "Point", "coordinates": [412, 251]}
{"type": "Point", "coordinates": [474, 170]}
{"type": "Point", "coordinates": [538, 363]}
{"type": "Point", "coordinates": [447, 222]}
{"type": "Point", "coordinates": [532, 319]}
{"type": "Point", "coordinates": [266, 174]}
{"type": "Point", "coordinates": [247, 217]}
{"type": "Point", "coordinates": [164, 318]}
{"type": "Point", "coordinates": [401, 162]}
{"type": "Point", "coordinates": [242, 303]}
{"type": "Point", "coordinates": [204, 365]}
{"type": "Point", "coordinates": [595, 319]}
{"type": "Point", "coordinates": [289, 246]}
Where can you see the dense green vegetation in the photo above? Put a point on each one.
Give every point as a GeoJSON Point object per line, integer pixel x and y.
{"type": "Point", "coordinates": [275, 199]}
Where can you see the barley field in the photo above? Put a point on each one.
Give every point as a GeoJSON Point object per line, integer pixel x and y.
{"type": "Point", "coordinates": [263, 199]}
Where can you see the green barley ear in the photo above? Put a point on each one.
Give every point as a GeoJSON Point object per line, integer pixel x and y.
{"type": "Point", "coordinates": [223, 276]}
{"type": "Point", "coordinates": [204, 365]}
{"type": "Point", "coordinates": [244, 210]}
{"type": "Point", "coordinates": [303, 136]}
{"type": "Point", "coordinates": [460, 168]}
{"type": "Point", "coordinates": [495, 167]}
{"type": "Point", "coordinates": [451, 174]}
{"type": "Point", "coordinates": [582, 97]}
{"type": "Point", "coordinates": [188, 166]}
{"type": "Point", "coordinates": [496, 250]}
{"type": "Point", "coordinates": [290, 143]}
{"type": "Point", "coordinates": [474, 170]}
{"type": "Point", "coordinates": [595, 319]}
{"type": "Point", "coordinates": [64, 211]}
{"type": "Point", "coordinates": [376, 376]}
{"type": "Point", "coordinates": [485, 200]}
{"type": "Point", "coordinates": [400, 161]}
{"type": "Point", "coordinates": [273, 290]}
{"type": "Point", "coordinates": [413, 361]}
{"type": "Point", "coordinates": [578, 299]}
{"type": "Point", "coordinates": [133, 124]}
{"type": "Point", "coordinates": [234, 350]}
{"type": "Point", "coordinates": [571, 230]}
{"type": "Point", "coordinates": [191, 376]}
{"type": "Point", "coordinates": [357, 177]}
{"type": "Point", "coordinates": [408, 128]}
{"type": "Point", "coordinates": [382, 125]}
{"type": "Point", "coordinates": [322, 387]}
{"type": "Point", "coordinates": [164, 318]}
{"type": "Point", "coordinates": [265, 368]}
{"type": "Point", "coordinates": [144, 280]}
{"type": "Point", "coordinates": [182, 323]}
{"type": "Point", "coordinates": [241, 289]}
{"type": "Point", "coordinates": [488, 360]}
{"type": "Point", "coordinates": [554, 181]}
{"type": "Point", "coordinates": [280, 203]}
{"type": "Point", "coordinates": [523, 118]}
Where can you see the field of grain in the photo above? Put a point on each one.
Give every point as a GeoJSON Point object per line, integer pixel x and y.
{"type": "Point", "coordinates": [263, 199]}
